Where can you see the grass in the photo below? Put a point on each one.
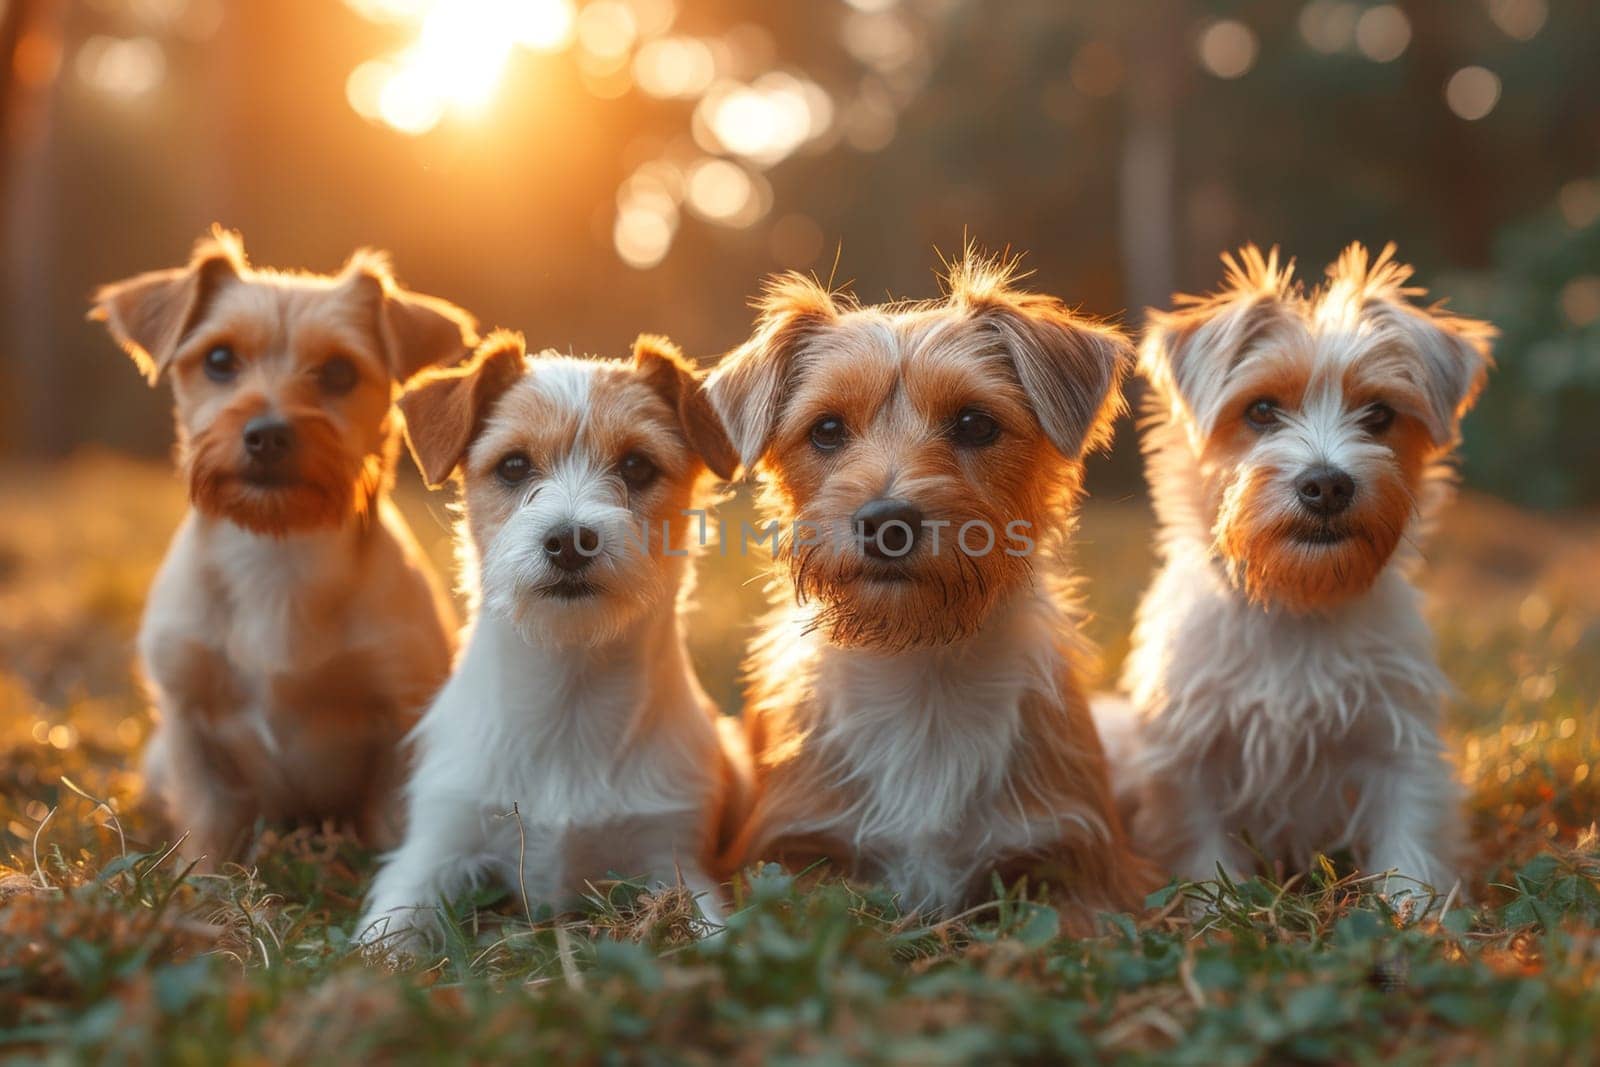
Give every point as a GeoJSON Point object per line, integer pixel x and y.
{"type": "Point", "coordinates": [110, 951]}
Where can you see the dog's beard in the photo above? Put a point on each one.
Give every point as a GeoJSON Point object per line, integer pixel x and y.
{"type": "Point", "coordinates": [322, 486]}
{"type": "Point", "coordinates": [1279, 555]}
{"type": "Point", "coordinates": [925, 601]}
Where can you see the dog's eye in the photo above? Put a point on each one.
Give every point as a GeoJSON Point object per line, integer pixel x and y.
{"type": "Point", "coordinates": [828, 433]}
{"type": "Point", "coordinates": [1378, 419]}
{"type": "Point", "coordinates": [1262, 414]}
{"type": "Point", "coordinates": [637, 470]}
{"type": "Point", "coordinates": [514, 469]}
{"type": "Point", "coordinates": [975, 429]}
{"type": "Point", "coordinates": [337, 376]}
{"type": "Point", "coordinates": [220, 364]}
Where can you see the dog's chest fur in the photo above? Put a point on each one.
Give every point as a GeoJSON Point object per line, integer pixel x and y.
{"type": "Point", "coordinates": [1285, 710]}
{"type": "Point", "coordinates": [922, 748]}
{"type": "Point", "coordinates": [578, 767]}
{"type": "Point", "coordinates": [248, 639]}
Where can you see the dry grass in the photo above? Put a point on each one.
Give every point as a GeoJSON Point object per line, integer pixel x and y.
{"type": "Point", "coordinates": [108, 950]}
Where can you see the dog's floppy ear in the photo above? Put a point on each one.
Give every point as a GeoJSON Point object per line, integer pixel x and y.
{"type": "Point", "coordinates": [445, 408]}
{"type": "Point", "coordinates": [1070, 367]}
{"type": "Point", "coordinates": [674, 378]}
{"type": "Point", "coordinates": [416, 331]}
{"type": "Point", "coordinates": [1453, 351]}
{"type": "Point", "coordinates": [150, 314]}
{"type": "Point", "coordinates": [747, 388]}
{"type": "Point", "coordinates": [1187, 354]}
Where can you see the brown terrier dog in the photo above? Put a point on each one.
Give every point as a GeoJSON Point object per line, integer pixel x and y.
{"type": "Point", "coordinates": [294, 631]}
{"type": "Point", "coordinates": [916, 715]}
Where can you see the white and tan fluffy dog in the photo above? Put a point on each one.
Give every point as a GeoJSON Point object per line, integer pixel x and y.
{"type": "Point", "coordinates": [573, 740]}
{"type": "Point", "coordinates": [916, 713]}
{"type": "Point", "coordinates": [294, 630]}
{"type": "Point", "coordinates": [1285, 694]}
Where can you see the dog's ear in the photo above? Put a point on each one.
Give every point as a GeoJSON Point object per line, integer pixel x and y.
{"type": "Point", "coordinates": [748, 387]}
{"type": "Point", "coordinates": [1187, 354]}
{"type": "Point", "coordinates": [1070, 367]}
{"type": "Point", "coordinates": [1451, 351]}
{"type": "Point", "coordinates": [416, 331]}
{"type": "Point", "coordinates": [445, 408]}
{"type": "Point", "coordinates": [150, 314]}
{"type": "Point", "coordinates": [672, 376]}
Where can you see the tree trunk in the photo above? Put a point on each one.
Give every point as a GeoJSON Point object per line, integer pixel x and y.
{"type": "Point", "coordinates": [1148, 170]}
{"type": "Point", "coordinates": [36, 390]}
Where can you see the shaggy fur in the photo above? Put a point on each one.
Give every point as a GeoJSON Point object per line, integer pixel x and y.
{"type": "Point", "coordinates": [1284, 691]}
{"type": "Point", "coordinates": [573, 741]}
{"type": "Point", "coordinates": [294, 630]}
{"type": "Point", "coordinates": [919, 719]}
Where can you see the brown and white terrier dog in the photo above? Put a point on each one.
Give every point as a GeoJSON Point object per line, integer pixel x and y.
{"type": "Point", "coordinates": [1285, 696]}
{"type": "Point", "coordinates": [294, 631]}
{"type": "Point", "coordinates": [915, 714]}
{"type": "Point", "coordinates": [573, 741]}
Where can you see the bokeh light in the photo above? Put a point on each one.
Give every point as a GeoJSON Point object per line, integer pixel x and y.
{"type": "Point", "coordinates": [1382, 33]}
{"type": "Point", "coordinates": [1579, 202]}
{"type": "Point", "coordinates": [642, 237]}
{"type": "Point", "coordinates": [121, 66]}
{"type": "Point", "coordinates": [364, 88]}
{"type": "Point", "coordinates": [606, 29]}
{"type": "Point", "coordinates": [1520, 20]}
{"type": "Point", "coordinates": [882, 40]}
{"type": "Point", "coordinates": [1227, 48]}
{"type": "Point", "coordinates": [1472, 92]}
{"type": "Point", "coordinates": [1580, 300]}
{"type": "Point", "coordinates": [410, 101]}
{"type": "Point", "coordinates": [653, 17]}
{"type": "Point", "coordinates": [675, 67]}
{"type": "Point", "coordinates": [723, 192]}
{"type": "Point", "coordinates": [765, 121]}
{"type": "Point", "coordinates": [1329, 26]}
{"type": "Point", "coordinates": [870, 119]}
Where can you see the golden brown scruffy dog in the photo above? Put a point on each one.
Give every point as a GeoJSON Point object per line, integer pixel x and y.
{"type": "Point", "coordinates": [293, 632]}
{"type": "Point", "coordinates": [916, 713]}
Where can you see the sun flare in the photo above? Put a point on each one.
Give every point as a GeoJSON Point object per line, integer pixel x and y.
{"type": "Point", "coordinates": [458, 59]}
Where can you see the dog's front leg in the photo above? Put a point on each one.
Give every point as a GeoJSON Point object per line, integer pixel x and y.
{"type": "Point", "coordinates": [442, 855]}
{"type": "Point", "coordinates": [1184, 827]}
{"type": "Point", "coordinates": [1411, 821]}
{"type": "Point", "coordinates": [707, 894]}
{"type": "Point", "coordinates": [190, 780]}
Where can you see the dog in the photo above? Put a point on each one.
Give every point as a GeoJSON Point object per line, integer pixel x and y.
{"type": "Point", "coordinates": [294, 630]}
{"type": "Point", "coordinates": [573, 740]}
{"type": "Point", "coordinates": [915, 713]}
{"type": "Point", "coordinates": [1284, 697]}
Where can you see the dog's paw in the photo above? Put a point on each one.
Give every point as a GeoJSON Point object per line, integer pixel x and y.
{"type": "Point", "coordinates": [396, 940]}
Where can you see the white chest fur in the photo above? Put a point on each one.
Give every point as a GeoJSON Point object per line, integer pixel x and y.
{"type": "Point", "coordinates": [606, 756]}
{"type": "Point", "coordinates": [1277, 721]}
{"type": "Point", "coordinates": [926, 745]}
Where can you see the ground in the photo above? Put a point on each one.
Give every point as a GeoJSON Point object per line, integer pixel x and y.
{"type": "Point", "coordinates": [109, 949]}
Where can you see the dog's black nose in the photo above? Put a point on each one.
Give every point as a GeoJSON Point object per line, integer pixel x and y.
{"type": "Point", "coordinates": [888, 528]}
{"type": "Point", "coordinates": [268, 439]}
{"type": "Point", "coordinates": [572, 549]}
{"type": "Point", "coordinates": [1325, 490]}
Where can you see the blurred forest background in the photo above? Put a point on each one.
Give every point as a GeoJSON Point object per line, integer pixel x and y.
{"type": "Point", "coordinates": [587, 170]}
